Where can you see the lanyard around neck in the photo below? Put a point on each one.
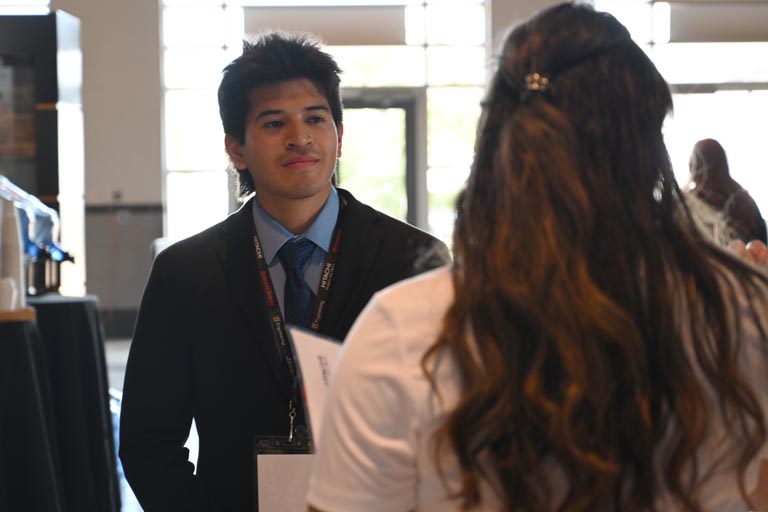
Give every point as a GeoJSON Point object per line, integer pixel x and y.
{"type": "Point", "coordinates": [275, 314]}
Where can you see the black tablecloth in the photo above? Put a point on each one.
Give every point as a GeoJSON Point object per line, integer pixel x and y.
{"type": "Point", "coordinates": [75, 367]}
{"type": "Point", "coordinates": [68, 364]}
{"type": "Point", "coordinates": [29, 470]}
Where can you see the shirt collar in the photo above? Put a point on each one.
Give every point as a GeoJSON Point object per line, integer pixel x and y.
{"type": "Point", "coordinates": [272, 235]}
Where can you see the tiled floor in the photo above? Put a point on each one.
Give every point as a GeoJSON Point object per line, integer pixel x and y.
{"type": "Point", "coordinates": [116, 353]}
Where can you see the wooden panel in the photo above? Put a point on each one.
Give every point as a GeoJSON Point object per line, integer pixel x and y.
{"type": "Point", "coordinates": [21, 315]}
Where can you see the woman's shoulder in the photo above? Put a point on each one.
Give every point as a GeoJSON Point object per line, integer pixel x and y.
{"type": "Point", "coordinates": [401, 321]}
{"type": "Point", "coordinates": [435, 283]}
{"type": "Point", "coordinates": [417, 300]}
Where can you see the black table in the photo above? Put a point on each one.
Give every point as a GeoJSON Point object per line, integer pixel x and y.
{"type": "Point", "coordinates": [29, 470]}
{"type": "Point", "coordinates": [76, 368]}
{"type": "Point", "coordinates": [68, 375]}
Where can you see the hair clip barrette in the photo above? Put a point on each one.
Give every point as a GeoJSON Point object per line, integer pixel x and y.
{"type": "Point", "coordinates": [536, 82]}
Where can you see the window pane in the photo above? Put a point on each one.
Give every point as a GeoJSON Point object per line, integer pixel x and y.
{"type": "Point", "coordinates": [298, 3]}
{"type": "Point", "coordinates": [199, 199]}
{"type": "Point", "coordinates": [228, 26]}
{"type": "Point", "coordinates": [661, 22]}
{"type": "Point", "coordinates": [415, 26]}
{"type": "Point", "coordinates": [738, 120]}
{"type": "Point", "coordinates": [443, 185]}
{"type": "Point", "coordinates": [452, 114]}
{"type": "Point", "coordinates": [24, 2]}
{"type": "Point", "coordinates": [193, 26]}
{"type": "Point", "coordinates": [194, 138]}
{"type": "Point", "coordinates": [373, 168]}
{"type": "Point", "coordinates": [456, 24]}
{"type": "Point", "coordinates": [451, 65]}
{"type": "Point", "coordinates": [453, 2]}
{"type": "Point", "coordinates": [193, 2]}
{"type": "Point", "coordinates": [635, 15]}
{"type": "Point", "coordinates": [234, 28]}
{"type": "Point", "coordinates": [195, 68]}
{"type": "Point", "coordinates": [452, 121]}
{"type": "Point", "coordinates": [683, 63]}
{"type": "Point", "coordinates": [24, 10]}
{"type": "Point", "coordinates": [373, 66]}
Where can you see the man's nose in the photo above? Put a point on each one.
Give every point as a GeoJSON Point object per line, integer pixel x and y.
{"type": "Point", "coordinates": [298, 137]}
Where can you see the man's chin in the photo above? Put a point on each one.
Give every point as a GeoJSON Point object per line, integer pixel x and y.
{"type": "Point", "coordinates": [309, 192]}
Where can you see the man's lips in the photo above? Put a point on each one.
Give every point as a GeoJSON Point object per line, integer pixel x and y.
{"type": "Point", "coordinates": [301, 162]}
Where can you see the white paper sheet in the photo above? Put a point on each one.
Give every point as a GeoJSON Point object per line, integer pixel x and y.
{"type": "Point", "coordinates": [316, 356]}
{"type": "Point", "coordinates": [283, 479]}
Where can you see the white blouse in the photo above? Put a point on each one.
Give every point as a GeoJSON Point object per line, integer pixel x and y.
{"type": "Point", "coordinates": [375, 452]}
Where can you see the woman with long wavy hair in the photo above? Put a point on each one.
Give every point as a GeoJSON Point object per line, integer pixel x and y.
{"type": "Point", "coordinates": [590, 348]}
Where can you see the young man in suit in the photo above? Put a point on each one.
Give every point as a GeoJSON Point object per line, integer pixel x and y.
{"type": "Point", "coordinates": [209, 339]}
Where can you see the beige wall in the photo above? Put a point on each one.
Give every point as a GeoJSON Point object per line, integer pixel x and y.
{"type": "Point", "coordinates": [122, 99]}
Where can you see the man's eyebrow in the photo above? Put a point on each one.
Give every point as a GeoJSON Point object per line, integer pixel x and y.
{"type": "Point", "coordinates": [265, 113]}
{"type": "Point", "coordinates": [275, 112]}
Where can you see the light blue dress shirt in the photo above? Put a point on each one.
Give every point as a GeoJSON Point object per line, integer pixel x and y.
{"type": "Point", "coordinates": [272, 236]}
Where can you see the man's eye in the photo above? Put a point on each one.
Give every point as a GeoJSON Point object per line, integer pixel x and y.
{"type": "Point", "coordinates": [316, 119]}
{"type": "Point", "coordinates": [273, 124]}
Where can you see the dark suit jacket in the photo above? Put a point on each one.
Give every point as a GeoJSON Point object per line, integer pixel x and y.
{"type": "Point", "coordinates": [203, 348]}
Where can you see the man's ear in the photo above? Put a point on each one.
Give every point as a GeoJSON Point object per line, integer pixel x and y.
{"type": "Point", "coordinates": [235, 151]}
{"type": "Point", "coordinates": [341, 132]}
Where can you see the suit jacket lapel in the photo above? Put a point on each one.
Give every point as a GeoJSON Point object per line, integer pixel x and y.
{"type": "Point", "coordinates": [361, 239]}
{"type": "Point", "coordinates": [236, 254]}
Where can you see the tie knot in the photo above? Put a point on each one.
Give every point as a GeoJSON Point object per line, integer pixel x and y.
{"type": "Point", "coordinates": [295, 252]}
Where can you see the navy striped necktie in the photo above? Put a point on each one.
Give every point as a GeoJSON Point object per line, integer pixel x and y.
{"type": "Point", "coordinates": [294, 255]}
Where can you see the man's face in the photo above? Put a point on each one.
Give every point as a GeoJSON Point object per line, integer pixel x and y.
{"type": "Point", "coordinates": [291, 143]}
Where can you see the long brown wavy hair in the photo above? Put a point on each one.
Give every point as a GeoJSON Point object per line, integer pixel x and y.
{"type": "Point", "coordinates": [591, 318]}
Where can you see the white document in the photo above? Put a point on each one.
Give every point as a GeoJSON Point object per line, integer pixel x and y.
{"type": "Point", "coordinates": [316, 357]}
{"type": "Point", "coordinates": [283, 482]}
{"type": "Point", "coordinates": [283, 479]}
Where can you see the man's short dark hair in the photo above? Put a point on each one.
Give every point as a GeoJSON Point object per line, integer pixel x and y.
{"type": "Point", "coordinates": [270, 58]}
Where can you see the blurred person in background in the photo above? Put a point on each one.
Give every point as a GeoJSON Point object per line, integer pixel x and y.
{"type": "Point", "coordinates": [711, 181]}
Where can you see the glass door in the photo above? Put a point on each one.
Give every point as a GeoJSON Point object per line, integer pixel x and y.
{"type": "Point", "coordinates": [373, 161]}
{"type": "Point", "coordinates": [379, 162]}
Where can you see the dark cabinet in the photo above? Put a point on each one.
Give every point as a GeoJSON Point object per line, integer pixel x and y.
{"type": "Point", "coordinates": [41, 123]}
